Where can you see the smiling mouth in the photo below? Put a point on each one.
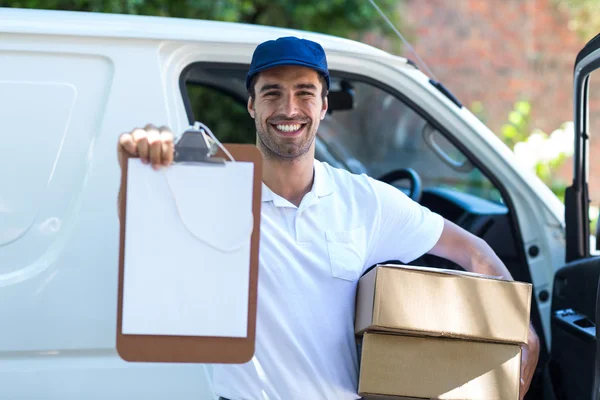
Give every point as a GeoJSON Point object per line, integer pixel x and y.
{"type": "Point", "coordinates": [288, 129]}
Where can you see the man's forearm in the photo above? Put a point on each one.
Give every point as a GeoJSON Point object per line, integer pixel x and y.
{"type": "Point", "coordinates": [469, 251]}
{"type": "Point", "coordinates": [483, 260]}
{"type": "Point", "coordinates": [475, 255]}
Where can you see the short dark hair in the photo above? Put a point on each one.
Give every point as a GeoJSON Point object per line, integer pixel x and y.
{"type": "Point", "coordinates": [252, 91]}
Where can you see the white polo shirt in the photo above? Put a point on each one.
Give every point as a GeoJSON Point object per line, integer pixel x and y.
{"type": "Point", "coordinates": [311, 258]}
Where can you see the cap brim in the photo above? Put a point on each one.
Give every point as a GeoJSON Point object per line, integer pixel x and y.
{"type": "Point", "coordinates": [280, 63]}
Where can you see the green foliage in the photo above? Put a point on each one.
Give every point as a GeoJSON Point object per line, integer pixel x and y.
{"type": "Point", "coordinates": [335, 17]}
{"type": "Point", "coordinates": [517, 132]}
{"type": "Point", "coordinates": [584, 16]}
{"type": "Point", "coordinates": [544, 153]}
{"type": "Point", "coordinates": [225, 116]}
{"type": "Point", "coordinates": [594, 216]}
{"type": "Point", "coordinates": [518, 127]}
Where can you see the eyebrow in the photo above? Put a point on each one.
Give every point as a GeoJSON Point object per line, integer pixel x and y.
{"type": "Point", "coordinates": [278, 87]}
{"type": "Point", "coordinates": [269, 87]}
{"type": "Point", "coordinates": [306, 86]}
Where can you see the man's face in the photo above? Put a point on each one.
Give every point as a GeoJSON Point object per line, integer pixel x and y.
{"type": "Point", "coordinates": [287, 109]}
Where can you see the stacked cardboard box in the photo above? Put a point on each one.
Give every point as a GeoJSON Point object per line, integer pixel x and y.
{"type": "Point", "coordinates": [428, 333]}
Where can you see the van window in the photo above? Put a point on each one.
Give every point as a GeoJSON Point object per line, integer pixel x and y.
{"type": "Point", "coordinates": [379, 133]}
{"type": "Point", "coordinates": [226, 116]}
{"type": "Point", "coordinates": [382, 133]}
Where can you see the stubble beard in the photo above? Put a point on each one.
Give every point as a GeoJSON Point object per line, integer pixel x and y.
{"type": "Point", "coordinates": [284, 151]}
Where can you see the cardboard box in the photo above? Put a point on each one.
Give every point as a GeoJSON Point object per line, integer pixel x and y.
{"type": "Point", "coordinates": [396, 366]}
{"type": "Point", "coordinates": [430, 301]}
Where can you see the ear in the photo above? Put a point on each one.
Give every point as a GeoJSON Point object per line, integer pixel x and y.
{"type": "Point", "coordinates": [251, 106]}
{"type": "Point", "coordinates": [324, 108]}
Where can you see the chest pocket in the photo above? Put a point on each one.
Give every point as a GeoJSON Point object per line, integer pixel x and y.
{"type": "Point", "coordinates": [347, 252]}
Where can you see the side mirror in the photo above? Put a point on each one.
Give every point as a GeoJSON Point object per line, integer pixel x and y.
{"type": "Point", "coordinates": [343, 99]}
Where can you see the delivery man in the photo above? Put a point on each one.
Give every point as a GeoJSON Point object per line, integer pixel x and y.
{"type": "Point", "coordinates": [321, 228]}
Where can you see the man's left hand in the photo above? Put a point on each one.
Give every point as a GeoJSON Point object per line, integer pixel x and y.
{"type": "Point", "coordinates": [529, 360]}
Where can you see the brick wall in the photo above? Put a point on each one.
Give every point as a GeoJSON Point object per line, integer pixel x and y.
{"type": "Point", "coordinates": [497, 52]}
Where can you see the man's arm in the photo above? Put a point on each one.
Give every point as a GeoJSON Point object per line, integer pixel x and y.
{"type": "Point", "coordinates": [469, 251]}
{"type": "Point", "coordinates": [417, 229]}
{"type": "Point", "coordinates": [475, 255]}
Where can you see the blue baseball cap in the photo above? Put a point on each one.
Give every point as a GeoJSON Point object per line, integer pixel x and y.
{"type": "Point", "coordinates": [288, 51]}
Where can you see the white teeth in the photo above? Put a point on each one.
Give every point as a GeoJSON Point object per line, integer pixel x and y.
{"type": "Point", "coordinates": [288, 128]}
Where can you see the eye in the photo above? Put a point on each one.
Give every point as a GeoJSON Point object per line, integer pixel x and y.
{"type": "Point", "coordinates": [305, 93]}
{"type": "Point", "coordinates": [271, 94]}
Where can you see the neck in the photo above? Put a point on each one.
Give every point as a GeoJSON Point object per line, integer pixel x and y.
{"type": "Point", "coordinates": [290, 179]}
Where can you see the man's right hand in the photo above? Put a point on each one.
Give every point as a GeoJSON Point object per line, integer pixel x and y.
{"type": "Point", "coordinates": [151, 144]}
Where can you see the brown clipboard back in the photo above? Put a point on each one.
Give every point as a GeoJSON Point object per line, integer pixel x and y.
{"type": "Point", "coordinates": [192, 349]}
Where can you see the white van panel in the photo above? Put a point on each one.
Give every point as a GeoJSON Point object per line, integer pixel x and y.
{"type": "Point", "coordinates": [23, 184]}
{"type": "Point", "coordinates": [53, 123]}
{"type": "Point", "coordinates": [98, 377]}
{"type": "Point", "coordinates": [59, 230]}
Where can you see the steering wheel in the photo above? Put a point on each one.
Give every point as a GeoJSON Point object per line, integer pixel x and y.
{"type": "Point", "coordinates": [402, 174]}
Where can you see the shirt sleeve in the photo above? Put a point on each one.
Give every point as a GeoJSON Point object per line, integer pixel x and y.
{"type": "Point", "coordinates": [403, 229]}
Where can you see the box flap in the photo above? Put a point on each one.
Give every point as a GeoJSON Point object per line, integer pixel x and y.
{"type": "Point", "coordinates": [441, 271]}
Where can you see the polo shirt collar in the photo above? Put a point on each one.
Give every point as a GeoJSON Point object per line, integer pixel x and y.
{"type": "Point", "coordinates": [322, 186]}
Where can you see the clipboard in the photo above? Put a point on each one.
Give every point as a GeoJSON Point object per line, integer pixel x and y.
{"type": "Point", "coordinates": [193, 147]}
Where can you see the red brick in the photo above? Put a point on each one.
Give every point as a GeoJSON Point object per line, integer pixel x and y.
{"type": "Point", "coordinates": [498, 52]}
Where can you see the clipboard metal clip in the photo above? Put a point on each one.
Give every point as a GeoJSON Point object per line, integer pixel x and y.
{"type": "Point", "coordinates": [193, 147]}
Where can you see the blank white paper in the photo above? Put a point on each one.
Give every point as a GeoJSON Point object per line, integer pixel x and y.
{"type": "Point", "coordinates": [174, 282]}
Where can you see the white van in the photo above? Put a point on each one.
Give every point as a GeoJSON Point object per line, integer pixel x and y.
{"type": "Point", "coordinates": [71, 83]}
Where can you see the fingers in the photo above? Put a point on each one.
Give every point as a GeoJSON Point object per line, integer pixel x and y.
{"type": "Point", "coordinates": [526, 371]}
{"type": "Point", "coordinates": [140, 137]}
{"type": "Point", "coordinates": [530, 356]}
{"type": "Point", "coordinates": [127, 144]}
{"type": "Point", "coordinates": [154, 147]}
{"type": "Point", "coordinates": [151, 144]}
{"type": "Point", "coordinates": [166, 139]}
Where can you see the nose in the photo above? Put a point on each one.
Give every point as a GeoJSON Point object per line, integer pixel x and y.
{"type": "Point", "coordinates": [289, 105]}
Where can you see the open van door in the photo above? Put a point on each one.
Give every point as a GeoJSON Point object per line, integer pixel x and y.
{"type": "Point", "coordinates": [574, 363]}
